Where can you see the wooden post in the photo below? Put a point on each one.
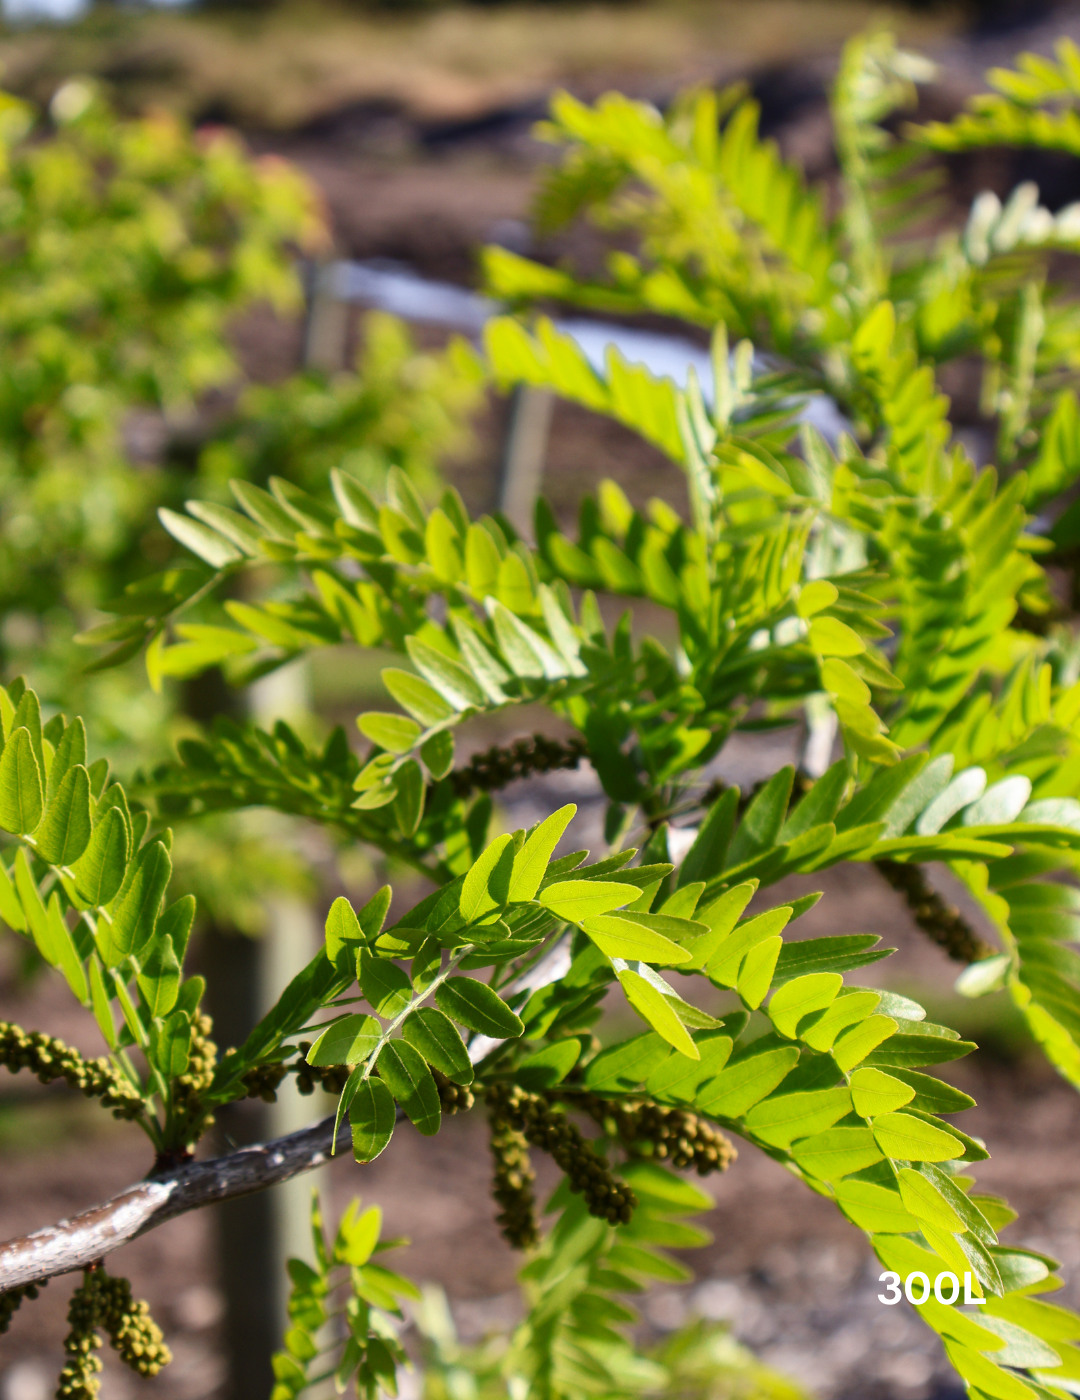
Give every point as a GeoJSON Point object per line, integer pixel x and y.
{"type": "Point", "coordinates": [256, 1234]}
{"type": "Point", "coordinates": [327, 325]}
{"type": "Point", "coordinates": [525, 449]}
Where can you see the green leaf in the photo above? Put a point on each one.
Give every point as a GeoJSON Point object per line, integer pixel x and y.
{"type": "Point", "coordinates": [797, 999]}
{"type": "Point", "coordinates": [747, 1081]}
{"type": "Point", "coordinates": [831, 637]}
{"type": "Point", "coordinates": [873, 1092]}
{"type": "Point", "coordinates": [422, 701]}
{"type": "Point", "coordinates": [346, 1042]}
{"type": "Point", "coordinates": [620, 938]}
{"type": "Point", "coordinates": [658, 1011]}
{"type": "Point", "coordinates": [159, 976]}
{"type": "Point", "coordinates": [761, 824]}
{"type": "Point", "coordinates": [965, 788]}
{"type": "Point", "coordinates": [443, 547]}
{"type": "Point", "coordinates": [932, 1095]}
{"type": "Point", "coordinates": [408, 807]}
{"type": "Point", "coordinates": [11, 910]}
{"type": "Point", "coordinates": [922, 1198]}
{"type": "Point", "coordinates": [857, 1044]}
{"type": "Point", "coordinates": [343, 934]}
{"type": "Point", "coordinates": [850, 1008]}
{"type": "Point", "coordinates": [357, 1235]}
{"type": "Point", "coordinates": [627, 1065]}
{"type": "Point", "coordinates": [723, 966]}
{"type": "Point", "coordinates": [454, 682]}
{"type": "Point", "coordinates": [134, 920]}
{"type": "Point", "coordinates": [228, 523]}
{"type": "Point", "coordinates": [99, 873]}
{"type": "Point", "coordinates": [875, 1208]}
{"type": "Point", "coordinates": [372, 1116]}
{"type": "Point", "coordinates": [32, 904]}
{"type": "Point", "coordinates": [908, 1051]}
{"type": "Point", "coordinates": [170, 1043]}
{"type": "Point", "coordinates": [20, 785]}
{"type": "Point", "coordinates": [99, 1000]}
{"type": "Point", "coordinates": [66, 830]}
{"type": "Point", "coordinates": [837, 1152]}
{"type": "Point", "coordinates": [680, 1080]}
{"type": "Point", "coordinates": [406, 1075]}
{"type": "Point", "coordinates": [211, 547]}
{"type": "Point", "coordinates": [522, 650]}
{"type": "Point", "coordinates": [549, 1066]}
{"type": "Point", "coordinates": [901, 1135]}
{"type": "Point", "coordinates": [176, 923]}
{"type": "Point", "coordinates": [755, 974]}
{"type": "Point", "coordinates": [438, 753]}
{"type": "Point", "coordinates": [927, 784]}
{"type": "Point", "coordinates": [386, 986]}
{"type": "Point", "coordinates": [64, 953]}
{"type": "Point", "coordinates": [488, 672]}
{"type": "Point", "coordinates": [531, 862]}
{"type": "Point", "coordinates": [782, 1118]}
{"type": "Point", "coordinates": [395, 733]}
{"type": "Point", "coordinates": [820, 804]}
{"type": "Point", "coordinates": [705, 858]}
{"type": "Point", "coordinates": [437, 1039]}
{"type": "Point", "coordinates": [839, 953]}
{"type": "Point", "coordinates": [487, 885]}
{"type": "Point", "coordinates": [720, 917]}
{"type": "Point", "coordinates": [69, 751]}
{"type": "Point", "coordinates": [475, 1005]}
{"type": "Point", "coordinates": [662, 1190]}
{"type": "Point", "coordinates": [373, 915]}
{"type": "Point", "coordinates": [575, 900]}
{"type": "Point", "coordinates": [984, 1375]}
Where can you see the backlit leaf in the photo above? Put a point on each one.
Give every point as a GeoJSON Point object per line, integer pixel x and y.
{"type": "Point", "coordinates": [435, 1036]}
{"type": "Point", "coordinates": [346, 1042]}
{"type": "Point", "coordinates": [20, 785]}
{"type": "Point", "coordinates": [372, 1115]}
{"type": "Point", "coordinates": [405, 1073]}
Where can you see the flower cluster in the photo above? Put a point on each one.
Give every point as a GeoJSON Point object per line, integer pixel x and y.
{"type": "Point", "coordinates": [586, 1171]}
{"type": "Point", "coordinates": [196, 1079]}
{"type": "Point", "coordinates": [675, 1135]}
{"type": "Point", "coordinates": [496, 768]}
{"type": "Point", "coordinates": [12, 1300]}
{"type": "Point", "coordinates": [512, 1185]}
{"type": "Point", "coordinates": [103, 1303]}
{"type": "Point", "coordinates": [941, 922]}
{"type": "Point", "coordinates": [454, 1098]}
{"type": "Point", "coordinates": [50, 1059]}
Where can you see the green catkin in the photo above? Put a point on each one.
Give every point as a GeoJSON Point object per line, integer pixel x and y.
{"type": "Point", "coordinates": [676, 1135]}
{"type": "Point", "coordinates": [12, 1300]}
{"type": "Point", "coordinates": [79, 1378]}
{"type": "Point", "coordinates": [497, 767]}
{"type": "Point", "coordinates": [512, 1184]}
{"type": "Point", "coordinates": [263, 1081]}
{"type": "Point", "coordinates": [196, 1079]}
{"type": "Point", "coordinates": [586, 1171]}
{"type": "Point", "coordinates": [135, 1336]}
{"type": "Point", "coordinates": [454, 1098]}
{"type": "Point", "coordinates": [103, 1303]}
{"type": "Point", "coordinates": [941, 922]}
{"type": "Point", "coordinates": [50, 1059]}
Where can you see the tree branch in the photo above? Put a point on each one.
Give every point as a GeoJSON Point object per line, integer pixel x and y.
{"type": "Point", "coordinates": [73, 1244]}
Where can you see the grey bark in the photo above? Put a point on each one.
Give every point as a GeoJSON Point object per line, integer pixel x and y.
{"type": "Point", "coordinates": [75, 1243]}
